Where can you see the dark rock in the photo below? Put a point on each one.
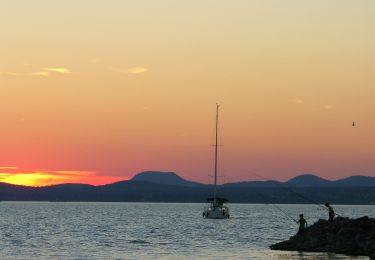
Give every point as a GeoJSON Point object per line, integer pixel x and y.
{"type": "Point", "coordinates": [343, 236]}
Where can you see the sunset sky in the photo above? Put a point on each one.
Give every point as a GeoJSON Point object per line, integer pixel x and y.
{"type": "Point", "coordinates": [96, 91]}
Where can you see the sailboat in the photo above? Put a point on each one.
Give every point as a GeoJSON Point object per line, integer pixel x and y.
{"type": "Point", "coordinates": [216, 208]}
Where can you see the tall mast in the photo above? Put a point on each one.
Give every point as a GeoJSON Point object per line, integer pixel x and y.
{"type": "Point", "coordinates": [216, 137]}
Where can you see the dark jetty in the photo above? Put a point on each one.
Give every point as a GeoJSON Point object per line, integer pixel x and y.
{"type": "Point", "coordinates": [342, 236]}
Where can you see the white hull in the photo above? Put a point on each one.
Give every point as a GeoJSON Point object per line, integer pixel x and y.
{"type": "Point", "coordinates": [216, 212]}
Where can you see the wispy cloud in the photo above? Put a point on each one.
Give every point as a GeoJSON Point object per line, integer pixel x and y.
{"type": "Point", "coordinates": [47, 72]}
{"type": "Point", "coordinates": [59, 70]}
{"type": "Point", "coordinates": [7, 167]}
{"type": "Point", "coordinates": [137, 70]}
{"type": "Point", "coordinates": [7, 73]}
{"type": "Point", "coordinates": [131, 70]}
{"type": "Point", "coordinates": [311, 104]}
{"type": "Point", "coordinates": [40, 73]}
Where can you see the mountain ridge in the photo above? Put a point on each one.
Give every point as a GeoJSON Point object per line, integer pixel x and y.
{"type": "Point", "coordinates": [169, 187]}
{"type": "Point", "coordinates": [310, 180]}
{"type": "Point", "coordinates": [171, 178]}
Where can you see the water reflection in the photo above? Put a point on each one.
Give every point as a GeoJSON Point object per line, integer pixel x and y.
{"type": "Point", "coordinates": [39, 230]}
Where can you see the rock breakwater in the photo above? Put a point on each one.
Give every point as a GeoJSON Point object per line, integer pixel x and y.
{"type": "Point", "coordinates": [342, 236]}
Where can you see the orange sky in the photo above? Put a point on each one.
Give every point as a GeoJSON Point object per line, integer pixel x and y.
{"type": "Point", "coordinates": [106, 89]}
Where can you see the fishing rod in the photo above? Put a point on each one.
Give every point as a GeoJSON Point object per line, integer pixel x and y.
{"type": "Point", "coordinates": [295, 193]}
{"type": "Point", "coordinates": [277, 207]}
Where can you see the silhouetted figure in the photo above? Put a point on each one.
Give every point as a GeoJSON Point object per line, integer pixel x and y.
{"type": "Point", "coordinates": [302, 224]}
{"type": "Point", "coordinates": [331, 212]}
{"type": "Point", "coordinates": [353, 123]}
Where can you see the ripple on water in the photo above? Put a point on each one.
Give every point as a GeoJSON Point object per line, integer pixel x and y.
{"type": "Point", "coordinates": [31, 230]}
{"type": "Point", "coordinates": [138, 241]}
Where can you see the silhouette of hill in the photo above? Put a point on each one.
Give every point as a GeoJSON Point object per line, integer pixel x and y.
{"type": "Point", "coordinates": [308, 180]}
{"type": "Point", "coordinates": [358, 180]}
{"type": "Point", "coordinates": [169, 178]}
{"type": "Point", "coordinates": [169, 187]}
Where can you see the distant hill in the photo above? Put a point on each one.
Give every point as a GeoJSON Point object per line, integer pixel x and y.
{"type": "Point", "coordinates": [362, 181]}
{"type": "Point", "coordinates": [169, 178]}
{"type": "Point", "coordinates": [308, 180]}
{"type": "Point", "coordinates": [169, 187]}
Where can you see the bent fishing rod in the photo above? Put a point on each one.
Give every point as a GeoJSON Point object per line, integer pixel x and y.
{"type": "Point", "coordinates": [293, 192]}
{"type": "Point", "coordinates": [277, 207]}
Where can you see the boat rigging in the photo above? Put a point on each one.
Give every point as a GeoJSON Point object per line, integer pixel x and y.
{"type": "Point", "coordinates": [216, 208]}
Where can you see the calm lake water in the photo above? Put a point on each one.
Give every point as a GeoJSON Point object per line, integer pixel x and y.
{"type": "Point", "coordinates": [68, 230]}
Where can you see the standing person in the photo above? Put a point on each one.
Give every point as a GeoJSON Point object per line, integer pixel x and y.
{"type": "Point", "coordinates": [331, 212]}
{"type": "Point", "coordinates": [302, 224]}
